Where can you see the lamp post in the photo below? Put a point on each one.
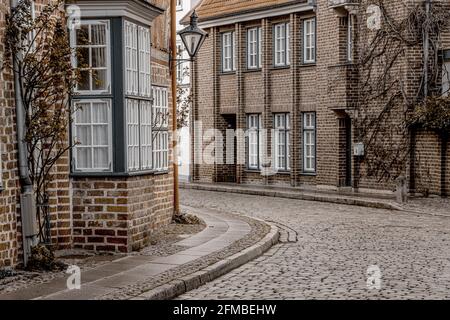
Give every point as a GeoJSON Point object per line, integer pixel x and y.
{"type": "Point", "coordinates": [193, 38]}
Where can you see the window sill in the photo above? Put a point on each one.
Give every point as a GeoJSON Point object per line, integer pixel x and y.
{"type": "Point", "coordinates": [252, 70]}
{"type": "Point", "coordinates": [309, 174]}
{"type": "Point", "coordinates": [252, 171]}
{"type": "Point", "coordinates": [116, 174]}
{"type": "Point", "coordinates": [280, 67]}
{"type": "Point", "coordinates": [227, 73]}
{"type": "Point", "coordinates": [283, 173]}
{"type": "Point", "coordinates": [307, 64]}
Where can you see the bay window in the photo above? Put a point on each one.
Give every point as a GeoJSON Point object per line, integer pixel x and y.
{"type": "Point", "coordinates": [309, 142]}
{"type": "Point", "coordinates": [113, 123]}
{"type": "Point", "coordinates": [281, 44]}
{"type": "Point", "coordinates": [254, 141]}
{"type": "Point", "coordinates": [309, 41]}
{"type": "Point", "coordinates": [282, 141]}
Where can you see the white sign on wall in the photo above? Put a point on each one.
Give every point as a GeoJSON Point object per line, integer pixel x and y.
{"type": "Point", "coordinates": [373, 17]}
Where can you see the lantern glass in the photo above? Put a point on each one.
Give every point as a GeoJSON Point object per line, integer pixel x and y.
{"type": "Point", "coordinates": [191, 42]}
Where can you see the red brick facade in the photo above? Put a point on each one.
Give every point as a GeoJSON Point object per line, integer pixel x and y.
{"type": "Point", "coordinates": [328, 87]}
{"type": "Point", "coordinates": [95, 213]}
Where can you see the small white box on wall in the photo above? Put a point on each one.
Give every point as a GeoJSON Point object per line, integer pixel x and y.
{"type": "Point", "coordinates": [358, 149]}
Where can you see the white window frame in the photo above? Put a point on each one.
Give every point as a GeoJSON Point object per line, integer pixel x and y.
{"type": "Point", "coordinates": [309, 138]}
{"type": "Point", "coordinates": [254, 141]}
{"type": "Point", "coordinates": [309, 40]}
{"type": "Point", "coordinates": [260, 48]}
{"type": "Point", "coordinates": [139, 134]}
{"type": "Point", "coordinates": [288, 44]}
{"type": "Point", "coordinates": [282, 44]}
{"type": "Point", "coordinates": [92, 146]}
{"type": "Point", "coordinates": [254, 47]}
{"type": "Point", "coordinates": [144, 66]}
{"type": "Point", "coordinates": [234, 50]}
{"type": "Point", "coordinates": [73, 39]}
{"type": "Point", "coordinates": [228, 51]}
{"type": "Point", "coordinates": [133, 134]}
{"type": "Point", "coordinates": [281, 140]}
{"type": "Point", "coordinates": [160, 134]}
{"type": "Point", "coordinates": [350, 38]}
{"type": "Point", "coordinates": [131, 58]}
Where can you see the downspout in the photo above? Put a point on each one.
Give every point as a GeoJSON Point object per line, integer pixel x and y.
{"type": "Point", "coordinates": [444, 142]}
{"type": "Point", "coordinates": [27, 203]}
{"type": "Point", "coordinates": [173, 66]}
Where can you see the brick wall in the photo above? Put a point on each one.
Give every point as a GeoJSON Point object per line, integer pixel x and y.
{"type": "Point", "coordinates": [9, 224]}
{"type": "Point", "coordinates": [329, 87]}
{"type": "Point", "coordinates": [104, 214]}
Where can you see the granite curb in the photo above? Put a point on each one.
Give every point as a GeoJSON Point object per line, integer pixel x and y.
{"type": "Point", "coordinates": [190, 282]}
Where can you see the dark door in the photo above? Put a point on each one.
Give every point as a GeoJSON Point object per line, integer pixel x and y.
{"type": "Point", "coordinates": [348, 152]}
{"type": "Point", "coordinates": [228, 171]}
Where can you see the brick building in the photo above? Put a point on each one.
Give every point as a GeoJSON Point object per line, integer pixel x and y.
{"type": "Point", "coordinates": [291, 66]}
{"type": "Point", "coordinates": [116, 185]}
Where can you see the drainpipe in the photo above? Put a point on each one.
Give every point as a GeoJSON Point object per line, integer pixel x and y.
{"type": "Point", "coordinates": [173, 45]}
{"type": "Point", "coordinates": [27, 203]}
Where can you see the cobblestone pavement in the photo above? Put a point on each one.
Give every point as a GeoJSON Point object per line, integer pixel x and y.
{"type": "Point", "coordinates": [336, 246]}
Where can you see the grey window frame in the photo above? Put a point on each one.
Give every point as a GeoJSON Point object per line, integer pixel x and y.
{"type": "Point", "coordinates": [258, 57]}
{"type": "Point", "coordinates": [287, 46]}
{"type": "Point", "coordinates": [233, 43]}
{"type": "Point", "coordinates": [258, 138]}
{"type": "Point", "coordinates": [287, 138]}
{"type": "Point", "coordinates": [304, 61]}
{"type": "Point", "coordinates": [304, 131]}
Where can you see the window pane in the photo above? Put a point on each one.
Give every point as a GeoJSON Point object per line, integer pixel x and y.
{"type": "Point", "coordinates": [100, 112]}
{"type": "Point", "coordinates": [99, 57]}
{"type": "Point", "coordinates": [85, 80]}
{"type": "Point", "coordinates": [101, 158]}
{"type": "Point", "coordinates": [100, 135]}
{"type": "Point", "coordinates": [83, 113]}
{"type": "Point", "coordinates": [84, 158]}
{"type": "Point", "coordinates": [98, 34]}
{"type": "Point", "coordinates": [83, 135]}
{"type": "Point", "coordinates": [83, 57]}
{"type": "Point", "coordinates": [99, 79]}
{"type": "Point", "coordinates": [82, 35]}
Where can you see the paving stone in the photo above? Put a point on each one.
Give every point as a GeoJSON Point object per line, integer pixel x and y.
{"type": "Point", "coordinates": [335, 246]}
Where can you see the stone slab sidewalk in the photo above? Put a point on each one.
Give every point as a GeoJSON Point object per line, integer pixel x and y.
{"type": "Point", "coordinates": [102, 282]}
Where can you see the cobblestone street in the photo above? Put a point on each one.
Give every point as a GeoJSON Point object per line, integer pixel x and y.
{"type": "Point", "coordinates": [336, 246]}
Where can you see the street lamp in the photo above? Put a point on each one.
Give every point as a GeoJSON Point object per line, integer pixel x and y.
{"type": "Point", "coordinates": [192, 36]}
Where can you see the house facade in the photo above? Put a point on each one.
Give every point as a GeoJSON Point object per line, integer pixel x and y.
{"type": "Point", "coordinates": [291, 69]}
{"type": "Point", "coordinates": [115, 187]}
